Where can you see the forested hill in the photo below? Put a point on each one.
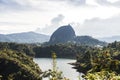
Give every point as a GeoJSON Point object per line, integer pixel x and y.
{"type": "Point", "coordinates": [62, 50]}
{"type": "Point", "coordinates": [17, 66]}
{"type": "Point", "coordinates": [100, 63]}
{"type": "Point", "coordinates": [89, 41]}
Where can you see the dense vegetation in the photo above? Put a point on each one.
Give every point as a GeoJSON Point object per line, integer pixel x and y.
{"type": "Point", "coordinates": [17, 66]}
{"type": "Point", "coordinates": [100, 63]}
{"type": "Point", "coordinates": [63, 50]}
{"type": "Point", "coordinates": [97, 63]}
{"type": "Point", "coordinates": [23, 48]}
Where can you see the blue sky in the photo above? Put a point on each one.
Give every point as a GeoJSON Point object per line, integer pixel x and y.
{"type": "Point", "coordinates": [97, 18]}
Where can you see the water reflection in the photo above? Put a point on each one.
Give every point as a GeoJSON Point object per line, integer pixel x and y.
{"type": "Point", "coordinates": [62, 64]}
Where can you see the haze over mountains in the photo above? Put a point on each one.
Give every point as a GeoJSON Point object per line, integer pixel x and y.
{"type": "Point", "coordinates": [110, 39]}
{"type": "Point", "coordinates": [63, 34]}
{"type": "Point", "coordinates": [66, 34]}
{"type": "Point", "coordinates": [25, 37]}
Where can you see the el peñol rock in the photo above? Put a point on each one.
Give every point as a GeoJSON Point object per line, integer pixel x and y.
{"type": "Point", "coordinates": [62, 35]}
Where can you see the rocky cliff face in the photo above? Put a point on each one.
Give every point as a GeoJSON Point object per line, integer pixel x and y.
{"type": "Point", "coordinates": [66, 34]}
{"type": "Point", "coordinates": [62, 35]}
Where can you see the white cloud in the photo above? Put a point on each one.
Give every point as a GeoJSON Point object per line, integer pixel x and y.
{"type": "Point", "coordinates": [57, 19]}
{"type": "Point", "coordinates": [91, 2]}
{"type": "Point", "coordinates": [11, 27]}
{"type": "Point", "coordinates": [112, 1]}
{"type": "Point", "coordinates": [77, 2]}
{"type": "Point", "coordinates": [71, 2]}
{"type": "Point", "coordinates": [27, 15]}
{"type": "Point", "coordinates": [42, 5]}
{"type": "Point", "coordinates": [100, 27]}
{"type": "Point", "coordinates": [115, 3]}
{"type": "Point", "coordinates": [50, 28]}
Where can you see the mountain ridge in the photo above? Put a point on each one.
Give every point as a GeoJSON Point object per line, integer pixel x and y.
{"type": "Point", "coordinates": [66, 34]}
{"type": "Point", "coordinates": [24, 37]}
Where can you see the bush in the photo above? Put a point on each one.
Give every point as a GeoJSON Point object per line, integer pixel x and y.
{"type": "Point", "coordinates": [17, 66]}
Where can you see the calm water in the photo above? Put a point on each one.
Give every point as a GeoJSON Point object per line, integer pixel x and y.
{"type": "Point", "coordinates": [62, 64]}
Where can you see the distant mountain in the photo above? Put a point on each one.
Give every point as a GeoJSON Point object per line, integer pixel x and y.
{"type": "Point", "coordinates": [25, 37]}
{"type": "Point", "coordinates": [88, 40]}
{"type": "Point", "coordinates": [66, 34]}
{"type": "Point", "coordinates": [110, 39]}
{"type": "Point", "coordinates": [4, 38]}
{"type": "Point", "coordinates": [63, 35]}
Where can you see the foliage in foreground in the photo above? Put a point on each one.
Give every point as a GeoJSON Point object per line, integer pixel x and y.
{"type": "Point", "coordinates": [102, 75]}
{"type": "Point", "coordinates": [17, 66]}
{"type": "Point", "coordinates": [100, 64]}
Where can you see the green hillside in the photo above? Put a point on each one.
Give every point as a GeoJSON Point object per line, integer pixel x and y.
{"type": "Point", "coordinates": [100, 63]}
{"type": "Point", "coordinates": [17, 66]}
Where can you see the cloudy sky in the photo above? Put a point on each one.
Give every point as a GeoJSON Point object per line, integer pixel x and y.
{"type": "Point", "coordinates": [97, 18]}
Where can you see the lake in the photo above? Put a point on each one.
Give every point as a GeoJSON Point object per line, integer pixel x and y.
{"type": "Point", "coordinates": [62, 64]}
